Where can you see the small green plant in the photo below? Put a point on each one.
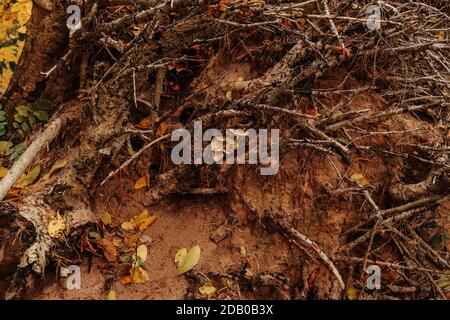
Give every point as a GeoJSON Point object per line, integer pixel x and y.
{"type": "Point", "coordinates": [3, 121]}
{"type": "Point", "coordinates": [8, 149]}
{"type": "Point", "coordinates": [27, 117]}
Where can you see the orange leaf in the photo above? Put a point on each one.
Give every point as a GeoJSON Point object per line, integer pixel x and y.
{"type": "Point", "coordinates": [143, 124]}
{"type": "Point", "coordinates": [141, 183]}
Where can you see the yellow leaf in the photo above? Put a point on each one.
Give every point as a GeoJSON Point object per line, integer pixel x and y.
{"type": "Point", "coordinates": [207, 289]}
{"type": "Point", "coordinates": [22, 29]}
{"type": "Point", "coordinates": [352, 293]}
{"type": "Point", "coordinates": [301, 21]}
{"type": "Point", "coordinates": [179, 256]}
{"type": "Point", "coordinates": [139, 275]}
{"type": "Point", "coordinates": [141, 183]}
{"type": "Point", "coordinates": [229, 96]}
{"type": "Point", "coordinates": [116, 242]}
{"type": "Point", "coordinates": [7, 54]}
{"type": "Point", "coordinates": [141, 252]}
{"type": "Point", "coordinates": [6, 76]}
{"type": "Point", "coordinates": [242, 251]}
{"type": "Point", "coordinates": [359, 178]}
{"type": "Point", "coordinates": [127, 226]}
{"type": "Point", "coordinates": [148, 221]}
{"type": "Point", "coordinates": [106, 218]}
{"type": "Point", "coordinates": [56, 227]}
{"type": "Point", "coordinates": [111, 296]}
{"type": "Point", "coordinates": [28, 179]}
{"type": "Point", "coordinates": [139, 219]}
{"type": "Point", "coordinates": [56, 166]}
{"type": "Point", "coordinates": [190, 260]}
{"type": "Point", "coordinates": [440, 35]}
{"type": "Point", "coordinates": [3, 172]}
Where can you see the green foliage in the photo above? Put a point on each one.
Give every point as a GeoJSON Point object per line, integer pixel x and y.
{"type": "Point", "coordinates": [27, 117]}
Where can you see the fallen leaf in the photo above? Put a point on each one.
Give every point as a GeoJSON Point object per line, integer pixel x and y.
{"type": "Point", "coordinates": [106, 219]}
{"type": "Point", "coordinates": [139, 275]}
{"type": "Point", "coordinates": [29, 178]}
{"type": "Point", "coordinates": [189, 260]}
{"type": "Point", "coordinates": [117, 242]}
{"type": "Point", "coordinates": [127, 225]}
{"type": "Point", "coordinates": [440, 35]}
{"type": "Point", "coordinates": [126, 279]}
{"type": "Point", "coordinates": [109, 250]}
{"type": "Point", "coordinates": [139, 219]}
{"type": "Point", "coordinates": [229, 96]}
{"type": "Point", "coordinates": [352, 293]}
{"type": "Point", "coordinates": [207, 289]}
{"type": "Point", "coordinates": [141, 252]}
{"type": "Point", "coordinates": [58, 165]}
{"type": "Point", "coordinates": [143, 124]}
{"type": "Point", "coordinates": [56, 227]}
{"type": "Point", "coordinates": [3, 172]}
{"type": "Point", "coordinates": [242, 251]}
{"type": "Point", "coordinates": [141, 183]}
{"type": "Point", "coordinates": [111, 296]}
{"type": "Point", "coordinates": [94, 235]}
{"type": "Point", "coordinates": [146, 223]}
{"type": "Point", "coordinates": [359, 178]}
{"type": "Point", "coordinates": [179, 256]}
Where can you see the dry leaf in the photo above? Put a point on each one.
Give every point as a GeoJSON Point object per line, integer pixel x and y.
{"type": "Point", "coordinates": [139, 219]}
{"type": "Point", "coordinates": [106, 219]}
{"type": "Point", "coordinates": [117, 241]}
{"type": "Point", "coordinates": [229, 96]}
{"type": "Point", "coordinates": [139, 275]}
{"type": "Point", "coordinates": [190, 260]}
{"type": "Point", "coordinates": [126, 279]}
{"type": "Point", "coordinates": [141, 183]}
{"type": "Point", "coordinates": [127, 226]}
{"type": "Point", "coordinates": [179, 256]}
{"type": "Point", "coordinates": [143, 124]}
{"type": "Point", "coordinates": [207, 289]}
{"type": "Point", "coordinates": [109, 250]}
{"type": "Point", "coordinates": [3, 172]}
{"type": "Point", "coordinates": [141, 252]}
{"type": "Point", "coordinates": [58, 165]}
{"type": "Point", "coordinates": [29, 178]}
{"type": "Point", "coordinates": [146, 223]}
{"type": "Point", "coordinates": [56, 227]}
{"type": "Point", "coordinates": [352, 293]}
{"type": "Point", "coordinates": [111, 296]}
{"type": "Point", "coordinates": [359, 178]}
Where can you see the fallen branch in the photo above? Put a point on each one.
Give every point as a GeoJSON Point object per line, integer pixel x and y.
{"type": "Point", "coordinates": [50, 133]}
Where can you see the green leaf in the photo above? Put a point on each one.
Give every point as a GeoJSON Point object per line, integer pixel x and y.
{"type": "Point", "coordinates": [41, 115]}
{"type": "Point", "coordinates": [2, 130]}
{"type": "Point", "coordinates": [15, 152]}
{"type": "Point", "coordinates": [125, 259]}
{"type": "Point", "coordinates": [32, 120]}
{"type": "Point", "coordinates": [25, 127]}
{"type": "Point", "coordinates": [5, 147]}
{"type": "Point", "coordinates": [2, 113]}
{"type": "Point", "coordinates": [23, 111]}
{"type": "Point", "coordinates": [18, 118]}
{"type": "Point", "coordinates": [2, 118]}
